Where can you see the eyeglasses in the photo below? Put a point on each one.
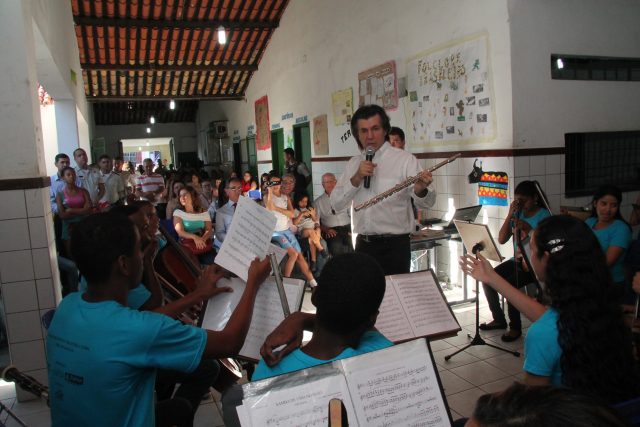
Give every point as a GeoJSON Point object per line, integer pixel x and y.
{"type": "Point", "coordinates": [275, 183]}
{"type": "Point", "coordinates": [234, 188]}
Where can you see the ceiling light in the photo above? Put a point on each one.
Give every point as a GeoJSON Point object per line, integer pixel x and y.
{"type": "Point", "coordinates": [139, 148]}
{"type": "Point", "coordinates": [172, 105]}
{"type": "Point", "coordinates": [148, 130]}
{"type": "Point", "coordinates": [152, 120]}
{"type": "Point", "coordinates": [222, 35]}
{"type": "Point", "coordinates": [147, 144]}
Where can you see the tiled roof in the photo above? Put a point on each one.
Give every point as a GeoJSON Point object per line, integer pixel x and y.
{"type": "Point", "coordinates": [168, 49]}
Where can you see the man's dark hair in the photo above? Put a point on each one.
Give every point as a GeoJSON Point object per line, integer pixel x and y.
{"type": "Point", "coordinates": [118, 158]}
{"type": "Point", "coordinates": [104, 156]}
{"type": "Point", "coordinates": [350, 290]}
{"type": "Point", "coordinates": [78, 149]}
{"type": "Point", "coordinates": [290, 152]}
{"type": "Point", "coordinates": [98, 241]}
{"type": "Point", "coordinates": [61, 156]}
{"type": "Point", "coordinates": [125, 210]}
{"type": "Point", "coordinates": [397, 132]}
{"type": "Point", "coordinates": [365, 112]}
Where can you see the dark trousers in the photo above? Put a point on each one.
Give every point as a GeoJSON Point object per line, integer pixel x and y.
{"type": "Point", "coordinates": [507, 271]}
{"type": "Point", "coordinates": [192, 387]}
{"type": "Point", "coordinates": [341, 243]}
{"type": "Point", "coordinates": [393, 252]}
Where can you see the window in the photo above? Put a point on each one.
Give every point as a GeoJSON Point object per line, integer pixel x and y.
{"type": "Point", "coordinates": [575, 67]}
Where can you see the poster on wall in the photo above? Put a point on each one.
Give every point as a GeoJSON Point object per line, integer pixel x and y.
{"type": "Point", "coordinates": [342, 103]}
{"type": "Point", "coordinates": [378, 85]}
{"type": "Point", "coordinates": [320, 135]}
{"type": "Point", "coordinates": [263, 133]}
{"type": "Point", "coordinates": [451, 94]}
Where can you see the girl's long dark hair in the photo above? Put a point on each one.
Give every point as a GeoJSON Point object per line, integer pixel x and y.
{"type": "Point", "coordinates": [608, 190]}
{"type": "Point", "coordinates": [299, 196]}
{"type": "Point", "coordinates": [597, 357]}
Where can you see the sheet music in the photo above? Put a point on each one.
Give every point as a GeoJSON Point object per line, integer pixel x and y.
{"type": "Point", "coordinates": [392, 321]}
{"type": "Point", "coordinates": [249, 236]}
{"type": "Point", "coordinates": [397, 386]}
{"type": "Point", "coordinates": [423, 303]}
{"type": "Point", "coordinates": [267, 311]}
{"type": "Point", "coordinates": [302, 405]}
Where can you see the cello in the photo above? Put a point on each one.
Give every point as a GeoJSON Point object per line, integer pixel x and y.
{"type": "Point", "coordinates": [177, 272]}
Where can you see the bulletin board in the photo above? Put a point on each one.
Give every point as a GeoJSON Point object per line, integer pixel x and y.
{"type": "Point", "coordinates": [379, 85]}
{"type": "Point", "coordinates": [451, 96]}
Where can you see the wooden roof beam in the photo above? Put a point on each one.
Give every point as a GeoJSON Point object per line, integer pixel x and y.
{"type": "Point", "coordinates": [192, 25]}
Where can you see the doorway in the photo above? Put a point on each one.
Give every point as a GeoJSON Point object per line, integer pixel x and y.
{"type": "Point", "coordinates": [302, 147]}
{"type": "Point", "coordinates": [277, 150]}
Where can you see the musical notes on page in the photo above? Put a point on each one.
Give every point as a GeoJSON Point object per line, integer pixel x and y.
{"type": "Point", "coordinates": [248, 237]}
{"type": "Point", "coordinates": [413, 306]}
{"type": "Point", "coordinates": [267, 311]}
{"type": "Point", "coordinates": [304, 405]}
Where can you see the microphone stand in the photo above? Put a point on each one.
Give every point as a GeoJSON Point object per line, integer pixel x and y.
{"type": "Point", "coordinates": [477, 339]}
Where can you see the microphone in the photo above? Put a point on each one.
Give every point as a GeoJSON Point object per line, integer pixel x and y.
{"type": "Point", "coordinates": [368, 157]}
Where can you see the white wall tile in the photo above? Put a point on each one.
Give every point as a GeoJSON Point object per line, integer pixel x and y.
{"type": "Point", "coordinates": [38, 232]}
{"type": "Point", "coordinates": [19, 296]}
{"type": "Point", "coordinates": [542, 180]}
{"type": "Point", "coordinates": [521, 166]}
{"type": "Point", "coordinates": [35, 201]}
{"type": "Point", "coordinates": [441, 184]}
{"type": "Point", "coordinates": [29, 355]}
{"type": "Point", "coordinates": [554, 203]}
{"type": "Point", "coordinates": [553, 184]}
{"type": "Point", "coordinates": [537, 165]}
{"type": "Point", "coordinates": [562, 163]}
{"type": "Point", "coordinates": [13, 204]}
{"type": "Point", "coordinates": [24, 326]}
{"type": "Point", "coordinates": [553, 164]}
{"type": "Point", "coordinates": [46, 295]}
{"type": "Point", "coordinates": [16, 266]}
{"type": "Point", "coordinates": [41, 263]}
{"type": "Point", "coordinates": [14, 235]}
{"type": "Point", "coordinates": [452, 184]}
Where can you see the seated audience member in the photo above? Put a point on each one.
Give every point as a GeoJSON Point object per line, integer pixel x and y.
{"type": "Point", "coordinates": [193, 223]}
{"type": "Point", "coordinates": [613, 233]}
{"type": "Point", "coordinates": [306, 220]}
{"type": "Point", "coordinates": [103, 356]}
{"type": "Point", "coordinates": [282, 208]}
{"type": "Point", "coordinates": [207, 200]}
{"type": "Point", "coordinates": [248, 183]}
{"type": "Point", "coordinates": [580, 341]}
{"type": "Point", "coordinates": [335, 225]}
{"type": "Point", "coordinates": [347, 298]}
{"type": "Point", "coordinates": [525, 213]}
{"type": "Point", "coordinates": [73, 205]}
{"type": "Point", "coordinates": [173, 201]}
{"type": "Point", "coordinates": [264, 182]}
{"type": "Point", "coordinates": [228, 198]}
{"type": "Point", "coordinates": [526, 406]}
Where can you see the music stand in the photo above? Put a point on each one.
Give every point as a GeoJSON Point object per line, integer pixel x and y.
{"type": "Point", "coordinates": [477, 239]}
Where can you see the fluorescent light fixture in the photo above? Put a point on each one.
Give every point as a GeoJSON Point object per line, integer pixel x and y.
{"type": "Point", "coordinates": [172, 105]}
{"type": "Point", "coordinates": [222, 35]}
{"type": "Point", "coordinates": [148, 130]}
{"type": "Point", "coordinates": [152, 120]}
{"type": "Point", "coordinates": [147, 144]}
{"type": "Point", "coordinates": [139, 148]}
{"type": "Point", "coordinates": [560, 64]}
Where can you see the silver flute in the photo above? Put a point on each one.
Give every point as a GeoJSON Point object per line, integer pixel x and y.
{"type": "Point", "coordinates": [404, 184]}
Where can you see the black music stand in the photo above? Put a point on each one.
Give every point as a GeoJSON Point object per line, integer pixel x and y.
{"type": "Point", "coordinates": [477, 239]}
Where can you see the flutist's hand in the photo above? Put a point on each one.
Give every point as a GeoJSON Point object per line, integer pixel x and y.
{"type": "Point", "coordinates": [366, 168]}
{"type": "Point", "coordinates": [420, 187]}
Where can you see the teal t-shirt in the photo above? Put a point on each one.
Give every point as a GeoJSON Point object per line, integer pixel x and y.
{"type": "Point", "coordinates": [535, 219]}
{"type": "Point", "coordinates": [541, 348]}
{"type": "Point", "coordinates": [102, 360]}
{"type": "Point", "coordinates": [136, 298]}
{"type": "Point", "coordinates": [297, 359]}
{"type": "Point", "coordinates": [616, 234]}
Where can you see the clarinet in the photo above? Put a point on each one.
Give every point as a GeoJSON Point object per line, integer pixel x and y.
{"type": "Point", "coordinates": [26, 382]}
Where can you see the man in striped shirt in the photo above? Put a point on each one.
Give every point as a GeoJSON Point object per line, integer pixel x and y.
{"type": "Point", "coordinates": [149, 186]}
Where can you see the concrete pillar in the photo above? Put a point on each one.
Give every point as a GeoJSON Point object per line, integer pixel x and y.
{"type": "Point", "coordinates": [28, 267]}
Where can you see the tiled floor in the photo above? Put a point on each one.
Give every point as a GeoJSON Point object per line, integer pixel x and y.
{"type": "Point", "coordinates": [467, 376]}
